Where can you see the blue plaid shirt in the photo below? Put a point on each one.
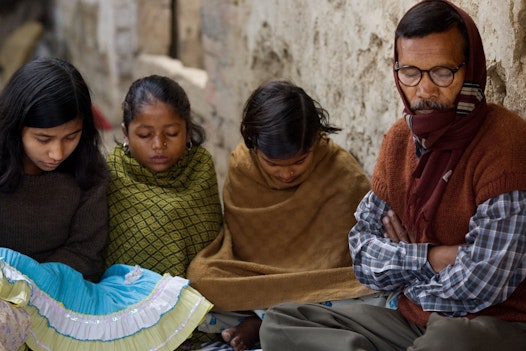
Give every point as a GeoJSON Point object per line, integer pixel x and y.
{"type": "Point", "coordinates": [486, 271]}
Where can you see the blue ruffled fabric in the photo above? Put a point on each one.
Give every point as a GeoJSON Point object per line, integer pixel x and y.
{"type": "Point", "coordinates": [64, 284]}
{"type": "Point", "coordinates": [129, 309]}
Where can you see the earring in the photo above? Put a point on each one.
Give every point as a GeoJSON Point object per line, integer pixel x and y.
{"type": "Point", "coordinates": [125, 147]}
{"type": "Point", "coordinates": [189, 144]}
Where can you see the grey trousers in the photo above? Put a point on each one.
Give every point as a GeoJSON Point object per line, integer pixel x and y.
{"type": "Point", "coordinates": [313, 327]}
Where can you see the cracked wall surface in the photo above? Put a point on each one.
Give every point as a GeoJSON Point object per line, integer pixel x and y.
{"type": "Point", "coordinates": [339, 51]}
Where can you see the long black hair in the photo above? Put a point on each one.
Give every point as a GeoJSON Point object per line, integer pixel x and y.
{"type": "Point", "coordinates": [44, 93]}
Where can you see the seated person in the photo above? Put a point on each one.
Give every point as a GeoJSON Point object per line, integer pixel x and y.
{"type": "Point", "coordinates": [163, 196]}
{"type": "Point", "coordinates": [445, 220]}
{"type": "Point", "coordinates": [289, 200]}
{"type": "Point", "coordinates": [54, 225]}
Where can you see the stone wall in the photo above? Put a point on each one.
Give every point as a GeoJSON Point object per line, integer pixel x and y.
{"type": "Point", "coordinates": [339, 51]}
{"type": "Point", "coordinates": [21, 30]}
{"type": "Point", "coordinates": [101, 38]}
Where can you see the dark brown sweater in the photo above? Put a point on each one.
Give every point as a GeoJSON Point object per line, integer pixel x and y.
{"type": "Point", "coordinates": [494, 163]}
{"type": "Point", "coordinates": [50, 219]}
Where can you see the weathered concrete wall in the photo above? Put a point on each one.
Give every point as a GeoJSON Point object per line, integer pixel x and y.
{"type": "Point", "coordinates": [22, 25]}
{"type": "Point", "coordinates": [101, 39]}
{"type": "Point", "coordinates": [340, 51]}
{"type": "Point", "coordinates": [189, 48]}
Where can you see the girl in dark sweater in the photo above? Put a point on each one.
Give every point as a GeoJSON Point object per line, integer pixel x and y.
{"type": "Point", "coordinates": [54, 226]}
{"type": "Point", "coordinates": [53, 177]}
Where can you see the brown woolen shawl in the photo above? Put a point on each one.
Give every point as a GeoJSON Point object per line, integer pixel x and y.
{"type": "Point", "coordinates": [444, 135]}
{"type": "Point", "coordinates": [283, 242]}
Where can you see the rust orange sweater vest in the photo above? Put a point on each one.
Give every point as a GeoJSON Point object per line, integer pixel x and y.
{"type": "Point", "coordinates": [494, 163]}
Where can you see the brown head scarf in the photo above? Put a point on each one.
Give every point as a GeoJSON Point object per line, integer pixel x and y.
{"type": "Point", "coordinates": [442, 136]}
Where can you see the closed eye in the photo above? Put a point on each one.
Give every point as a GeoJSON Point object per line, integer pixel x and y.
{"type": "Point", "coordinates": [43, 140]}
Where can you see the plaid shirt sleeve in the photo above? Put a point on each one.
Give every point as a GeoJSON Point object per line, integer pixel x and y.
{"type": "Point", "coordinates": [487, 269]}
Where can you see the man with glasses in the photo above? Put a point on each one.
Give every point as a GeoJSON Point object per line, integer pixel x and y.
{"type": "Point", "coordinates": [445, 221]}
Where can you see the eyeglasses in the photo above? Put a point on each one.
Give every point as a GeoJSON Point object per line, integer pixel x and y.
{"type": "Point", "coordinates": [442, 76]}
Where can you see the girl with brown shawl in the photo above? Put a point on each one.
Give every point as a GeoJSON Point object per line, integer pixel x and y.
{"type": "Point", "coordinates": [289, 199]}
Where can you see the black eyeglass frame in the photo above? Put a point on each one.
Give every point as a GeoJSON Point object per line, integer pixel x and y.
{"type": "Point", "coordinates": [454, 70]}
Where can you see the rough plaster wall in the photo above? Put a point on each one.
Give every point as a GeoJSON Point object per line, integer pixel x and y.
{"type": "Point", "coordinates": [104, 38]}
{"type": "Point", "coordinates": [503, 30]}
{"type": "Point", "coordinates": [100, 39]}
{"type": "Point", "coordinates": [340, 51]}
{"type": "Point", "coordinates": [154, 26]}
{"type": "Point", "coordinates": [189, 49]}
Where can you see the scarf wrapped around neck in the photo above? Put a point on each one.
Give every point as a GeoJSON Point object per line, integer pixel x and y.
{"type": "Point", "coordinates": [160, 221]}
{"type": "Point", "coordinates": [442, 136]}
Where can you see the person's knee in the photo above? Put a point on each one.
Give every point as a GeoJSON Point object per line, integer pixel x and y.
{"type": "Point", "coordinates": [443, 333]}
{"type": "Point", "coordinates": [270, 334]}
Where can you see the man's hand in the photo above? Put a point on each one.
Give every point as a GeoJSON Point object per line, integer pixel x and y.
{"type": "Point", "coordinates": [395, 230]}
{"type": "Point", "coordinates": [440, 257]}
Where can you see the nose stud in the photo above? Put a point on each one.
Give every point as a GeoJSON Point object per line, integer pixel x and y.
{"type": "Point", "coordinates": [164, 144]}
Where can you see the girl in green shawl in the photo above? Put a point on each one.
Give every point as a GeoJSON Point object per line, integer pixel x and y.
{"type": "Point", "coordinates": [163, 196]}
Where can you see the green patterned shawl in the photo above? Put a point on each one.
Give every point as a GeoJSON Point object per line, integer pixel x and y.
{"type": "Point", "coordinates": [160, 221]}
